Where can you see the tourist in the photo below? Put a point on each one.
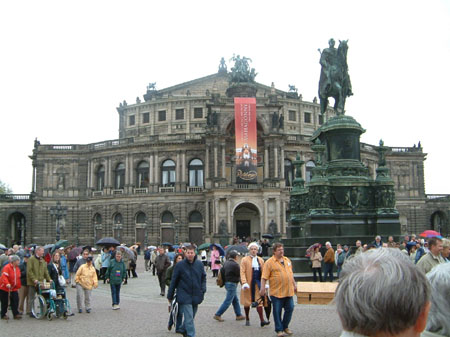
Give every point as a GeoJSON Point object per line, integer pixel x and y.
{"type": "Point", "coordinates": [251, 271]}
{"type": "Point", "coordinates": [359, 248]}
{"type": "Point", "coordinates": [133, 262]}
{"type": "Point", "coordinates": [153, 256]}
{"type": "Point", "coordinates": [340, 256]}
{"type": "Point", "coordinates": [189, 282]}
{"type": "Point", "coordinates": [377, 243]}
{"type": "Point", "coordinates": [54, 270]}
{"type": "Point", "coordinates": [126, 261]}
{"type": "Point", "coordinates": [9, 286]}
{"type": "Point", "coordinates": [204, 257]}
{"type": "Point", "coordinates": [420, 251]}
{"type": "Point", "coordinates": [162, 262]}
{"type": "Point", "coordinates": [374, 301]}
{"type": "Point", "coordinates": [105, 259]}
{"type": "Point", "coordinates": [147, 256]}
{"type": "Point", "coordinates": [215, 261]}
{"type": "Point", "coordinates": [413, 253]}
{"type": "Point", "coordinates": [316, 263]}
{"type": "Point", "coordinates": [265, 247]}
{"type": "Point", "coordinates": [433, 257]}
{"type": "Point", "coordinates": [278, 271]}
{"type": "Point", "coordinates": [86, 280]}
{"type": "Point", "coordinates": [391, 243]}
{"type": "Point", "coordinates": [64, 265]}
{"type": "Point", "coordinates": [115, 274]}
{"type": "Point", "coordinates": [72, 262]}
{"type": "Point", "coordinates": [438, 323]}
{"type": "Point", "coordinates": [23, 291]}
{"type": "Point", "coordinates": [37, 272]}
{"type": "Point", "coordinates": [328, 260]}
{"type": "Point", "coordinates": [178, 258]}
{"type": "Point", "coordinates": [81, 260]}
{"type": "Point", "coordinates": [445, 250]}
{"type": "Point", "coordinates": [232, 276]}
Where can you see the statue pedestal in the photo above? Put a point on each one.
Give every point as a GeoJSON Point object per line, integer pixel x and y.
{"type": "Point", "coordinates": [224, 239]}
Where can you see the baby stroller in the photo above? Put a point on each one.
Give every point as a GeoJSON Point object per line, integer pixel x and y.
{"type": "Point", "coordinates": [49, 303]}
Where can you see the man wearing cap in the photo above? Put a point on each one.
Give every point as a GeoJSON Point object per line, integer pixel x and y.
{"type": "Point", "coordinates": [86, 280]}
{"type": "Point", "coordinates": [9, 285]}
{"type": "Point", "coordinates": [23, 291]}
{"type": "Point", "coordinates": [36, 272]}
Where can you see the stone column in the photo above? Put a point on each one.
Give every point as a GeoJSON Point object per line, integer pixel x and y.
{"type": "Point", "coordinates": [33, 184]}
{"type": "Point", "coordinates": [183, 167]}
{"type": "Point", "coordinates": [216, 215]}
{"type": "Point", "coordinates": [151, 169]}
{"type": "Point", "coordinates": [275, 161]}
{"type": "Point", "coordinates": [282, 163]}
{"type": "Point", "coordinates": [131, 169]}
{"type": "Point", "coordinates": [215, 161]}
{"type": "Point", "coordinates": [156, 169]}
{"type": "Point", "coordinates": [178, 173]}
{"type": "Point", "coordinates": [206, 217]}
{"type": "Point", "coordinates": [283, 217]}
{"type": "Point", "coordinates": [230, 226]}
{"type": "Point", "coordinates": [109, 173]}
{"type": "Point", "coordinates": [93, 176]}
{"type": "Point", "coordinates": [223, 162]}
{"type": "Point", "coordinates": [207, 162]}
{"type": "Point", "coordinates": [266, 163]}
{"type": "Point", "coordinates": [266, 216]}
{"type": "Point", "coordinates": [277, 212]}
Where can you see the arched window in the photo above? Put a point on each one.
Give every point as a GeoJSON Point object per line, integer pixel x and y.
{"type": "Point", "coordinates": [142, 174]}
{"type": "Point", "coordinates": [288, 172]}
{"type": "Point", "coordinates": [168, 173]}
{"type": "Point", "coordinates": [141, 217]}
{"type": "Point", "coordinates": [196, 173]}
{"type": "Point", "coordinates": [195, 216]}
{"type": "Point", "coordinates": [309, 166]}
{"type": "Point", "coordinates": [100, 175]}
{"type": "Point", "coordinates": [97, 219]}
{"type": "Point", "coordinates": [119, 176]}
{"type": "Point", "coordinates": [167, 217]}
{"type": "Point", "coordinates": [117, 218]}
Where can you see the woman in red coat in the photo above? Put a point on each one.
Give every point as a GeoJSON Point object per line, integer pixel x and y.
{"type": "Point", "coordinates": [9, 286]}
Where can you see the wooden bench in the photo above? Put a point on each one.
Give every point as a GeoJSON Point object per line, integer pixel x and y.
{"type": "Point", "coordinates": [315, 292]}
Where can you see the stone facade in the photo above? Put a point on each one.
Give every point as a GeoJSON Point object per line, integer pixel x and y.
{"type": "Point", "coordinates": [171, 175]}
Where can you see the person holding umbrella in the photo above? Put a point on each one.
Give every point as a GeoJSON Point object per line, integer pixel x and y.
{"type": "Point", "coordinates": [251, 271]}
{"type": "Point", "coordinates": [115, 275]}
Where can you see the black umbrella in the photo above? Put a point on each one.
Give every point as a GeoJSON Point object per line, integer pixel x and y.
{"type": "Point", "coordinates": [49, 248]}
{"type": "Point", "coordinates": [267, 236]}
{"type": "Point", "coordinates": [240, 249]}
{"type": "Point", "coordinates": [107, 242]}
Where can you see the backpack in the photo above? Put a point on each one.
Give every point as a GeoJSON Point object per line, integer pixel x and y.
{"type": "Point", "coordinates": [220, 281]}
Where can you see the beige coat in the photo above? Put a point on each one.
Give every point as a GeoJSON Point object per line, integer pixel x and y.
{"type": "Point", "coordinates": [86, 276]}
{"type": "Point", "coordinates": [316, 259]}
{"type": "Point", "coordinates": [246, 277]}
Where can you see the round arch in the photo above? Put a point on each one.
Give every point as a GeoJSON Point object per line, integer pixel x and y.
{"type": "Point", "coordinates": [439, 223]}
{"type": "Point", "coordinates": [16, 229]}
{"type": "Point", "coordinates": [246, 218]}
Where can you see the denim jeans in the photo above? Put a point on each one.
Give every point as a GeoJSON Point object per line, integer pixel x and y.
{"type": "Point", "coordinates": [231, 298]}
{"type": "Point", "coordinates": [328, 270]}
{"type": "Point", "coordinates": [279, 303]}
{"type": "Point", "coordinates": [115, 293]}
{"type": "Point", "coordinates": [188, 311]}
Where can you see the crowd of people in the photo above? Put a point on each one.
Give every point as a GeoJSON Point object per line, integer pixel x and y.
{"type": "Point", "coordinates": [424, 253]}
{"type": "Point", "coordinates": [266, 284]}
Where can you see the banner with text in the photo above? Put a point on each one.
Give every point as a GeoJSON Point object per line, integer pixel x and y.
{"type": "Point", "coordinates": [246, 140]}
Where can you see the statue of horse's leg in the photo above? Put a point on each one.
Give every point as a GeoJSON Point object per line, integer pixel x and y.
{"type": "Point", "coordinates": [323, 104]}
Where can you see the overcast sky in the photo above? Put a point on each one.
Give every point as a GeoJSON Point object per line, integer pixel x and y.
{"type": "Point", "coordinates": [66, 65]}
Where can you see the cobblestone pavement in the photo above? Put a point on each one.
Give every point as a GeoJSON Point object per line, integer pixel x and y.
{"type": "Point", "coordinates": [143, 312]}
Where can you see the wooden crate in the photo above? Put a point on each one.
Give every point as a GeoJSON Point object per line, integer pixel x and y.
{"type": "Point", "coordinates": [315, 292]}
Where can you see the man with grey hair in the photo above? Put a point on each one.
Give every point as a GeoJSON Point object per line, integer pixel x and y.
{"type": "Point", "coordinates": [438, 323]}
{"type": "Point", "coordinates": [445, 250]}
{"type": "Point", "coordinates": [381, 293]}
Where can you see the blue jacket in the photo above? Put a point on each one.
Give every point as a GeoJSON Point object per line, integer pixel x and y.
{"type": "Point", "coordinates": [64, 267]}
{"type": "Point", "coordinates": [189, 280]}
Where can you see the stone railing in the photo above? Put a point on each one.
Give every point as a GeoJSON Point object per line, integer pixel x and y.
{"type": "Point", "coordinates": [166, 189]}
{"type": "Point", "coordinates": [15, 197]}
{"type": "Point", "coordinates": [195, 189]}
{"type": "Point", "coordinates": [141, 190]}
{"type": "Point", "coordinates": [110, 143]}
{"type": "Point", "coordinates": [406, 149]}
{"type": "Point", "coordinates": [437, 196]}
{"type": "Point", "coordinates": [118, 191]}
{"type": "Point", "coordinates": [97, 193]}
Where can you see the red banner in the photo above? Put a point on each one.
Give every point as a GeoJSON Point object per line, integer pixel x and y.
{"type": "Point", "coordinates": [246, 140]}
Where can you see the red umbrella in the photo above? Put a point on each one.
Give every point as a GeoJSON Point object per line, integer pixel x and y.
{"type": "Point", "coordinates": [311, 248]}
{"type": "Point", "coordinates": [74, 252]}
{"type": "Point", "coordinates": [429, 234]}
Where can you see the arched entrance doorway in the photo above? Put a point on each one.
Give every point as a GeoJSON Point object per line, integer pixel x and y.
{"type": "Point", "coordinates": [247, 221]}
{"type": "Point", "coordinates": [17, 225]}
{"type": "Point", "coordinates": [439, 223]}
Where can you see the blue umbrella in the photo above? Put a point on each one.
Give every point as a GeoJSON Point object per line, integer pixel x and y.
{"type": "Point", "coordinates": [166, 244]}
{"type": "Point", "coordinates": [219, 247]}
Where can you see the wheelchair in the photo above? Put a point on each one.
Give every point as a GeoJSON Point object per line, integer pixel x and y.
{"type": "Point", "coordinates": [49, 303]}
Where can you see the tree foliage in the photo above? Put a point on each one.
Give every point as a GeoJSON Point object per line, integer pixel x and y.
{"type": "Point", "coordinates": [4, 188]}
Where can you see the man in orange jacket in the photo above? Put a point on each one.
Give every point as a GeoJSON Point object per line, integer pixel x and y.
{"type": "Point", "coordinates": [9, 286]}
{"type": "Point", "coordinates": [328, 260]}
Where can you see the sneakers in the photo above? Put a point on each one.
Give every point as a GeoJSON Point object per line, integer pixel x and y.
{"type": "Point", "coordinates": [280, 334]}
{"type": "Point", "coordinates": [218, 318]}
{"type": "Point", "coordinates": [88, 311]}
{"type": "Point", "coordinates": [240, 318]}
{"type": "Point", "coordinates": [115, 307]}
{"type": "Point", "coordinates": [288, 331]}
{"type": "Point", "coordinates": [247, 323]}
{"type": "Point", "coordinates": [263, 323]}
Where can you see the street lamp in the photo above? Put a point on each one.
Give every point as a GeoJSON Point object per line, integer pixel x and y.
{"type": "Point", "coordinates": [59, 213]}
{"type": "Point", "coordinates": [177, 228]}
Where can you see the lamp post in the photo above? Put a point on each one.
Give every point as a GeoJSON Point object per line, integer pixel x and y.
{"type": "Point", "coordinates": [59, 213]}
{"type": "Point", "coordinates": [177, 228]}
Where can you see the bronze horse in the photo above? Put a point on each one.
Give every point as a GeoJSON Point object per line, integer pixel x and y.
{"type": "Point", "coordinates": [335, 81]}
